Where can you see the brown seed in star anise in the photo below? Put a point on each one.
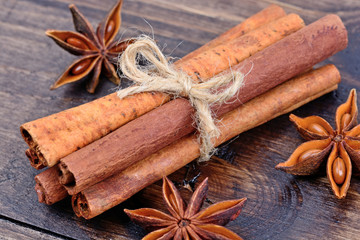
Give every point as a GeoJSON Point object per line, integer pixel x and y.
{"type": "Point", "coordinates": [340, 146]}
{"type": "Point", "coordinates": [189, 222]}
{"type": "Point", "coordinates": [97, 49]}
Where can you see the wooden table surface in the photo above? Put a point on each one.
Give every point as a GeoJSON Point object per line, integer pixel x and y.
{"type": "Point", "coordinates": [279, 206]}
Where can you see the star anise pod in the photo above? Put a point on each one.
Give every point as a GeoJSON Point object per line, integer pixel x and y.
{"type": "Point", "coordinates": [341, 147]}
{"type": "Point", "coordinates": [188, 223]}
{"type": "Point", "coordinates": [97, 50]}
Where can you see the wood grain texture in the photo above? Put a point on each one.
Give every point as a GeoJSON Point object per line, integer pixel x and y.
{"type": "Point", "coordinates": [279, 206]}
{"type": "Point", "coordinates": [15, 231]}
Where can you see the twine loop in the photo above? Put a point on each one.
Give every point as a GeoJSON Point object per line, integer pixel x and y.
{"type": "Point", "coordinates": [159, 75]}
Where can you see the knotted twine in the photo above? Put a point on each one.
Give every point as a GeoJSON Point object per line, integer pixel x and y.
{"type": "Point", "coordinates": [161, 76]}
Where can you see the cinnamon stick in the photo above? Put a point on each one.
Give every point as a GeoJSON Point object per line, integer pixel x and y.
{"type": "Point", "coordinates": [48, 188]}
{"type": "Point", "coordinates": [155, 130]}
{"type": "Point", "coordinates": [277, 101]}
{"type": "Point", "coordinates": [261, 18]}
{"type": "Point", "coordinates": [103, 158]}
{"type": "Point", "coordinates": [55, 136]}
{"type": "Point", "coordinates": [235, 51]}
{"type": "Point", "coordinates": [34, 159]}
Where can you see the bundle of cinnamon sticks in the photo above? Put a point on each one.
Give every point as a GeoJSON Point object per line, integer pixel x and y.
{"type": "Point", "coordinates": [105, 151]}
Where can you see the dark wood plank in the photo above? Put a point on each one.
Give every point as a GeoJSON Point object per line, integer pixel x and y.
{"type": "Point", "coordinates": [280, 206]}
{"type": "Point", "coordinates": [13, 231]}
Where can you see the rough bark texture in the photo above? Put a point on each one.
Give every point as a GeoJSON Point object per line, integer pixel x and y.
{"type": "Point", "coordinates": [55, 136]}
{"type": "Point", "coordinates": [263, 17]}
{"type": "Point", "coordinates": [48, 188]}
{"type": "Point", "coordinates": [233, 52]}
{"type": "Point", "coordinates": [282, 99]}
{"type": "Point", "coordinates": [60, 134]}
{"type": "Point", "coordinates": [270, 67]}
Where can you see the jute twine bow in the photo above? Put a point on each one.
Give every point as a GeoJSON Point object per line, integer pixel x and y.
{"type": "Point", "coordinates": [159, 75]}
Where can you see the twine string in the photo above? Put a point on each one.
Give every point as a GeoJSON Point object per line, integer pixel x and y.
{"type": "Point", "coordinates": [161, 76]}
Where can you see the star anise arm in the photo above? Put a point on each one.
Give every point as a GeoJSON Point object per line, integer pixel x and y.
{"type": "Point", "coordinates": [197, 199]}
{"type": "Point", "coordinates": [181, 234]}
{"type": "Point", "coordinates": [117, 47]}
{"type": "Point", "coordinates": [77, 70]}
{"type": "Point", "coordinates": [192, 233]}
{"type": "Point", "coordinates": [307, 158]}
{"type": "Point", "coordinates": [313, 127]}
{"type": "Point", "coordinates": [338, 170]}
{"type": "Point", "coordinates": [109, 27]}
{"type": "Point", "coordinates": [150, 219]}
{"type": "Point", "coordinates": [220, 213]}
{"type": "Point", "coordinates": [94, 81]}
{"type": "Point", "coordinates": [352, 148]}
{"type": "Point", "coordinates": [74, 43]}
{"type": "Point", "coordinates": [346, 114]}
{"type": "Point", "coordinates": [162, 234]}
{"type": "Point", "coordinates": [213, 231]}
{"type": "Point", "coordinates": [353, 133]}
{"type": "Point", "coordinates": [110, 72]}
{"type": "Point", "coordinates": [172, 198]}
{"type": "Point", "coordinates": [83, 26]}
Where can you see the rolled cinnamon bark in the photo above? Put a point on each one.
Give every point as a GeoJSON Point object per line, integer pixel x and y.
{"type": "Point", "coordinates": [261, 18]}
{"type": "Point", "coordinates": [34, 159]}
{"type": "Point", "coordinates": [55, 136]}
{"type": "Point", "coordinates": [116, 151]}
{"type": "Point", "coordinates": [48, 188]}
{"type": "Point", "coordinates": [280, 100]}
{"type": "Point", "coordinates": [235, 51]}
{"type": "Point", "coordinates": [151, 132]}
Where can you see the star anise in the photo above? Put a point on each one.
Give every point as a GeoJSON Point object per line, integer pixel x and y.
{"type": "Point", "coordinates": [340, 147]}
{"type": "Point", "coordinates": [189, 223]}
{"type": "Point", "coordinates": [97, 50]}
